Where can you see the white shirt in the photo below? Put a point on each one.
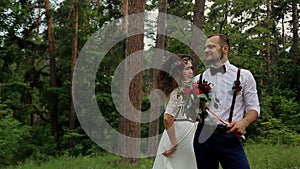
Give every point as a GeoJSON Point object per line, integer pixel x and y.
{"type": "Point", "coordinates": [222, 93]}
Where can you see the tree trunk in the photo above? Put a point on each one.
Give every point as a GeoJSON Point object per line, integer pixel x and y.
{"type": "Point", "coordinates": [130, 125]}
{"type": "Point", "coordinates": [198, 21]}
{"type": "Point", "coordinates": [124, 12]}
{"type": "Point", "coordinates": [295, 51]}
{"type": "Point", "coordinates": [72, 116]}
{"type": "Point", "coordinates": [155, 98]}
{"type": "Point", "coordinates": [73, 60]}
{"type": "Point", "coordinates": [99, 8]}
{"type": "Point", "coordinates": [54, 99]}
{"type": "Point", "coordinates": [134, 44]}
{"type": "Point", "coordinates": [121, 125]}
{"type": "Point", "coordinates": [267, 53]}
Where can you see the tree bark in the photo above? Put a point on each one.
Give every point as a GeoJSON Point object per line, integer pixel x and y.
{"type": "Point", "coordinates": [155, 98]}
{"type": "Point", "coordinates": [198, 21]}
{"type": "Point", "coordinates": [53, 83]}
{"type": "Point", "coordinates": [72, 115]}
{"type": "Point", "coordinates": [121, 125]}
{"type": "Point", "coordinates": [134, 44]}
{"type": "Point", "coordinates": [100, 13]}
{"type": "Point", "coordinates": [267, 53]}
{"type": "Point", "coordinates": [295, 51]}
{"type": "Point", "coordinates": [124, 12]}
{"type": "Point", "coordinates": [130, 126]}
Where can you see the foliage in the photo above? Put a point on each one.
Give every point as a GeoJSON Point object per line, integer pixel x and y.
{"type": "Point", "coordinates": [40, 145]}
{"type": "Point", "coordinates": [81, 145]}
{"type": "Point", "coordinates": [259, 156]}
{"type": "Point", "coordinates": [273, 131]}
{"type": "Point", "coordinates": [25, 76]}
{"type": "Point", "coordinates": [12, 136]}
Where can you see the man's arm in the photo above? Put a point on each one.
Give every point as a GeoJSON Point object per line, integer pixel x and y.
{"type": "Point", "coordinates": [238, 128]}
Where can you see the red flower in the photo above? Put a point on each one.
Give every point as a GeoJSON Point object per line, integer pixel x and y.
{"type": "Point", "coordinates": [195, 85]}
{"type": "Point", "coordinates": [187, 91]}
{"type": "Point", "coordinates": [237, 87]}
{"type": "Point", "coordinates": [197, 91]}
{"type": "Point", "coordinates": [205, 87]}
{"type": "Point", "coordinates": [195, 97]}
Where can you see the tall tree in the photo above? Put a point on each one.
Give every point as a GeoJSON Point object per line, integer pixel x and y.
{"type": "Point", "coordinates": [295, 47]}
{"type": "Point", "coordinates": [131, 125]}
{"type": "Point", "coordinates": [267, 47]}
{"type": "Point", "coordinates": [121, 125]}
{"type": "Point", "coordinates": [155, 99]}
{"type": "Point", "coordinates": [198, 21]}
{"type": "Point", "coordinates": [99, 8]}
{"type": "Point", "coordinates": [124, 12]}
{"type": "Point", "coordinates": [74, 53]}
{"type": "Point", "coordinates": [53, 83]}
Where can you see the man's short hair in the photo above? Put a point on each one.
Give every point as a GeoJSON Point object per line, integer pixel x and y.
{"type": "Point", "coordinates": [223, 40]}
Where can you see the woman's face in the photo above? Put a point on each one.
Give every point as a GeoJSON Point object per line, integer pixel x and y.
{"type": "Point", "coordinates": [188, 71]}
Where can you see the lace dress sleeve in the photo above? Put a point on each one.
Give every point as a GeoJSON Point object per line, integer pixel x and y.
{"type": "Point", "coordinates": [173, 103]}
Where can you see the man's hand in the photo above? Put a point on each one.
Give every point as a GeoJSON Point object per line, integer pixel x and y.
{"type": "Point", "coordinates": [237, 128]}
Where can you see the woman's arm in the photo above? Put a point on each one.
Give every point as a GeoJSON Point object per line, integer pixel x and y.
{"type": "Point", "coordinates": [169, 125]}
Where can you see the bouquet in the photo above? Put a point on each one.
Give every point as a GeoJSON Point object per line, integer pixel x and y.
{"type": "Point", "coordinates": [195, 97]}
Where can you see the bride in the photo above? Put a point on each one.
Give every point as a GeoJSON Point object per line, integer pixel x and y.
{"type": "Point", "coordinates": [175, 150]}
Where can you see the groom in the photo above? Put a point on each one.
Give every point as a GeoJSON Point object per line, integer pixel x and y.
{"type": "Point", "coordinates": [236, 101]}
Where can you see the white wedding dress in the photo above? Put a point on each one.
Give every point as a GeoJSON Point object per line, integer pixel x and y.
{"type": "Point", "coordinates": [183, 157]}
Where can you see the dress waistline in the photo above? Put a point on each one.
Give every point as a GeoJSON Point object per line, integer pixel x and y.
{"type": "Point", "coordinates": [180, 120]}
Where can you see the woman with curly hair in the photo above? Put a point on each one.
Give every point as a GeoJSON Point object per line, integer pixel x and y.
{"type": "Point", "coordinates": [175, 150]}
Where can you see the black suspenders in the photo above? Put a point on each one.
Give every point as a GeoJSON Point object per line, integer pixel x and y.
{"type": "Point", "coordinates": [237, 83]}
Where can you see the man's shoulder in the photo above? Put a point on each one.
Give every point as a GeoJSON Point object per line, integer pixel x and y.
{"type": "Point", "coordinates": [246, 75]}
{"type": "Point", "coordinates": [245, 71]}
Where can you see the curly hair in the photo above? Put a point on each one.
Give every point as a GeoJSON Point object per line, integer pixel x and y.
{"type": "Point", "coordinates": [171, 73]}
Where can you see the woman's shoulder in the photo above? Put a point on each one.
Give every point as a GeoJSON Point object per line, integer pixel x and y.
{"type": "Point", "coordinates": [175, 91]}
{"type": "Point", "coordinates": [175, 94]}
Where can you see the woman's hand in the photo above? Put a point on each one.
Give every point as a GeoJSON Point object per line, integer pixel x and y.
{"type": "Point", "coordinates": [170, 151]}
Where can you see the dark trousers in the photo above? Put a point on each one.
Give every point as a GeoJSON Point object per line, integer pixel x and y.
{"type": "Point", "coordinates": [220, 147]}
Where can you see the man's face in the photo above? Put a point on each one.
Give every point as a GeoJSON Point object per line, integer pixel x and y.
{"type": "Point", "coordinates": [213, 51]}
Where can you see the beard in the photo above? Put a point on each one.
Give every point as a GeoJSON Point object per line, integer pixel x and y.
{"type": "Point", "coordinates": [210, 60]}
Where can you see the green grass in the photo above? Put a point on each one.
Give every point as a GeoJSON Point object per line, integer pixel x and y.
{"type": "Point", "coordinates": [263, 156]}
{"type": "Point", "coordinates": [104, 161]}
{"type": "Point", "coordinates": [260, 156]}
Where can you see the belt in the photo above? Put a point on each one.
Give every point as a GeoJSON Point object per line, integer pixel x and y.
{"type": "Point", "coordinates": [220, 129]}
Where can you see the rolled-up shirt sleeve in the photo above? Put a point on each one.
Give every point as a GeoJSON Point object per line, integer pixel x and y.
{"type": "Point", "coordinates": [250, 94]}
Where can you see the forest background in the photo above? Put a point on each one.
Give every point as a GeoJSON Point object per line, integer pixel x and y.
{"type": "Point", "coordinates": [41, 41]}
